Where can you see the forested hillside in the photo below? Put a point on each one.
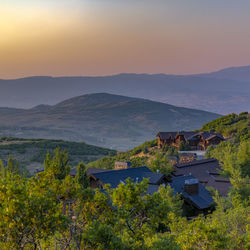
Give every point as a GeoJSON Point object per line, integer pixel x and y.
{"type": "Point", "coordinates": [53, 210]}
{"type": "Point", "coordinates": [233, 125]}
{"type": "Point", "coordinates": [234, 154]}
{"type": "Point", "coordinates": [30, 153]}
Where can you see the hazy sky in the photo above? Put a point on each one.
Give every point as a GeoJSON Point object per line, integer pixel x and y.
{"type": "Point", "coordinates": [101, 37]}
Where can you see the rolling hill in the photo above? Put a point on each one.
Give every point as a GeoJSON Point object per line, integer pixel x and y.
{"type": "Point", "coordinates": [31, 153]}
{"type": "Point", "coordinates": [222, 92]}
{"type": "Point", "coordinates": [102, 119]}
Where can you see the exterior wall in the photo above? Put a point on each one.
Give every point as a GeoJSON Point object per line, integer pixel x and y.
{"type": "Point", "coordinates": [94, 183]}
{"type": "Point", "coordinates": [214, 141]}
{"type": "Point", "coordinates": [159, 142]}
{"type": "Point", "coordinates": [162, 143]}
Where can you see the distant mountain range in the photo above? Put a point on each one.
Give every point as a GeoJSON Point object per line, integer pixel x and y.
{"type": "Point", "coordinates": [105, 120]}
{"type": "Point", "coordinates": [224, 91]}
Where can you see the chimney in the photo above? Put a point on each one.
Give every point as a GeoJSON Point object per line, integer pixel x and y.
{"type": "Point", "coordinates": [191, 186]}
{"type": "Point", "coordinates": [157, 171]}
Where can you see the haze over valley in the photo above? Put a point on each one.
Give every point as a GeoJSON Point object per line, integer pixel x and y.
{"type": "Point", "coordinates": [106, 120]}
{"type": "Point", "coordinates": [222, 92]}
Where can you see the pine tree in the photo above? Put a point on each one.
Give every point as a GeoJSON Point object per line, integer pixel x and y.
{"type": "Point", "coordinates": [12, 167]}
{"type": "Point", "coordinates": [59, 164]}
{"type": "Point", "coordinates": [81, 176]}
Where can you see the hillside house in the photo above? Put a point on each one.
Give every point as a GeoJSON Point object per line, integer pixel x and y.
{"type": "Point", "coordinates": [195, 140]}
{"type": "Point", "coordinates": [207, 171]}
{"type": "Point", "coordinates": [192, 191]}
{"type": "Point", "coordinates": [195, 195]}
{"type": "Point", "coordinates": [122, 165]}
{"type": "Point", "coordinates": [115, 177]}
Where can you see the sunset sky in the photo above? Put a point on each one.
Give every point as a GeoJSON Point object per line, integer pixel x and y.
{"type": "Point", "coordinates": [102, 37]}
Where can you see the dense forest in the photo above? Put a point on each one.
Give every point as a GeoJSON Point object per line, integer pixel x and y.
{"type": "Point", "coordinates": [53, 210]}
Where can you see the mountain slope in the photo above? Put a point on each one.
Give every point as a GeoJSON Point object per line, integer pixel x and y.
{"type": "Point", "coordinates": [101, 119]}
{"type": "Point", "coordinates": [222, 92]}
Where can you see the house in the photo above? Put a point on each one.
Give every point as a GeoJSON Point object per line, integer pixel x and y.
{"type": "Point", "coordinates": [122, 164]}
{"type": "Point", "coordinates": [96, 170]}
{"type": "Point", "coordinates": [166, 138]}
{"type": "Point", "coordinates": [207, 171]}
{"type": "Point", "coordinates": [115, 177]}
{"type": "Point", "coordinates": [187, 157]}
{"type": "Point", "coordinates": [195, 195]}
{"type": "Point", "coordinates": [195, 140]}
{"type": "Point", "coordinates": [192, 191]}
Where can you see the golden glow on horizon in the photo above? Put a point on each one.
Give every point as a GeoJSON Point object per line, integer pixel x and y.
{"type": "Point", "coordinates": [83, 39]}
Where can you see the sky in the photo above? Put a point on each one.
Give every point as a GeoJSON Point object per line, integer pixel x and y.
{"type": "Point", "coordinates": [104, 37]}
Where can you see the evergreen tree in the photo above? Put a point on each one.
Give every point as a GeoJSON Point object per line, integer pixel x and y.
{"type": "Point", "coordinates": [81, 176]}
{"type": "Point", "coordinates": [59, 164]}
{"type": "Point", "coordinates": [12, 166]}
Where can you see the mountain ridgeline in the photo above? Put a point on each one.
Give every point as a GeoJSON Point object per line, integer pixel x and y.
{"type": "Point", "coordinates": [222, 92]}
{"type": "Point", "coordinates": [106, 120]}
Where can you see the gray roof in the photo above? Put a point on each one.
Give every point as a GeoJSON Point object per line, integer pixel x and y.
{"type": "Point", "coordinates": [207, 135]}
{"type": "Point", "coordinates": [96, 170]}
{"type": "Point", "coordinates": [167, 135]}
{"type": "Point", "coordinates": [202, 200]}
{"type": "Point", "coordinates": [115, 177]}
{"type": "Point", "coordinates": [187, 134]}
{"type": "Point", "coordinates": [190, 135]}
{"type": "Point", "coordinates": [199, 162]}
{"type": "Point", "coordinates": [152, 189]}
{"type": "Point", "coordinates": [207, 171]}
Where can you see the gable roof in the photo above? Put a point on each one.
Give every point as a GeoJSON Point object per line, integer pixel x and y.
{"type": "Point", "coordinates": [199, 162]}
{"type": "Point", "coordinates": [208, 135]}
{"type": "Point", "coordinates": [115, 177]}
{"type": "Point", "coordinates": [189, 135]}
{"type": "Point", "coordinates": [166, 135]}
{"type": "Point", "coordinates": [96, 170]}
{"type": "Point", "coordinates": [207, 172]}
{"type": "Point", "coordinates": [201, 200]}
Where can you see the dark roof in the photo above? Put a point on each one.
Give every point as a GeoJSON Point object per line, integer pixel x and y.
{"type": "Point", "coordinates": [96, 170]}
{"type": "Point", "coordinates": [198, 162]}
{"type": "Point", "coordinates": [190, 135]}
{"type": "Point", "coordinates": [207, 172]}
{"type": "Point", "coordinates": [115, 177]}
{"type": "Point", "coordinates": [201, 200]}
{"type": "Point", "coordinates": [207, 135]}
{"type": "Point", "coordinates": [166, 135]}
{"type": "Point", "coordinates": [152, 189]}
{"type": "Point", "coordinates": [187, 134]}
